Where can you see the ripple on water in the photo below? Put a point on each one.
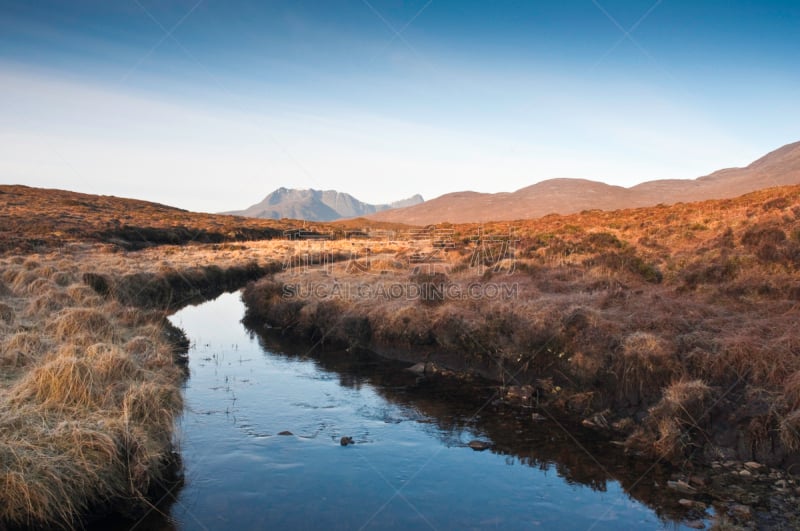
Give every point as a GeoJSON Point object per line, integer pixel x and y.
{"type": "Point", "coordinates": [241, 475]}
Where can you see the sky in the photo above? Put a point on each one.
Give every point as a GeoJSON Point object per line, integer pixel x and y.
{"type": "Point", "coordinates": [209, 105]}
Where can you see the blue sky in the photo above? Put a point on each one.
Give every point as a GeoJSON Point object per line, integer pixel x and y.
{"type": "Point", "coordinates": [210, 105]}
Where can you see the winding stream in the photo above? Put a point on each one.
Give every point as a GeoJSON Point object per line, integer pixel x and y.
{"type": "Point", "coordinates": [410, 466]}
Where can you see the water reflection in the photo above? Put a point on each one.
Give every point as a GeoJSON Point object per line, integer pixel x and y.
{"type": "Point", "coordinates": [457, 411]}
{"type": "Point", "coordinates": [410, 467]}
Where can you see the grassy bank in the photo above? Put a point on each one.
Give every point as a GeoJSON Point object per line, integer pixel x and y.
{"type": "Point", "coordinates": [671, 329]}
{"type": "Point", "coordinates": [91, 374]}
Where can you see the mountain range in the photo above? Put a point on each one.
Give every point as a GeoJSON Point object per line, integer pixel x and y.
{"type": "Point", "coordinates": [316, 205]}
{"type": "Point", "coordinates": [566, 196]}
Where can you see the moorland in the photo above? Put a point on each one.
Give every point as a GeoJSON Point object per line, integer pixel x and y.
{"type": "Point", "coordinates": [670, 331]}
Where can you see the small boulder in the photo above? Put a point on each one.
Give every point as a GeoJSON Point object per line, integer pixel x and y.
{"type": "Point", "coordinates": [681, 486]}
{"type": "Point", "coordinates": [286, 432]}
{"type": "Point", "coordinates": [344, 441]}
{"type": "Point", "coordinates": [479, 446]}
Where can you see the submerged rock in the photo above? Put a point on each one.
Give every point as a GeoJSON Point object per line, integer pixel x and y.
{"type": "Point", "coordinates": [344, 441]}
{"type": "Point", "coordinates": [286, 432]}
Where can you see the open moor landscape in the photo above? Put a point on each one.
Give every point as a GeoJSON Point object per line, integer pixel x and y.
{"type": "Point", "coordinates": [668, 331]}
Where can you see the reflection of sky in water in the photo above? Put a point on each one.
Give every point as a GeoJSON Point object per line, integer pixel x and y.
{"type": "Point", "coordinates": [405, 471]}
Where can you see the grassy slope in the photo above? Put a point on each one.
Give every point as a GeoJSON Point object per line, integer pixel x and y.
{"type": "Point", "coordinates": [674, 328]}
{"type": "Point", "coordinates": [34, 217]}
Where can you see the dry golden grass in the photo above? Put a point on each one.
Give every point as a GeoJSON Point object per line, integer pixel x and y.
{"type": "Point", "coordinates": [671, 304]}
{"type": "Point", "coordinates": [90, 386]}
{"type": "Point", "coordinates": [20, 348]}
{"type": "Point", "coordinates": [790, 430]}
{"type": "Point", "coordinates": [645, 365]}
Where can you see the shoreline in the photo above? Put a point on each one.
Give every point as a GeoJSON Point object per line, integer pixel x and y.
{"type": "Point", "coordinates": [733, 493]}
{"type": "Point", "coordinates": [91, 375]}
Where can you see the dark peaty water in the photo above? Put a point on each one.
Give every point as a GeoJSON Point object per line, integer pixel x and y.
{"type": "Point", "coordinates": [410, 466]}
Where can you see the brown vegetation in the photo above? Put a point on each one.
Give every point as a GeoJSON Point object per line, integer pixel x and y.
{"type": "Point", "coordinates": [90, 375]}
{"type": "Point", "coordinates": [642, 316]}
{"type": "Point", "coordinates": [671, 327]}
{"type": "Point", "coordinates": [35, 219]}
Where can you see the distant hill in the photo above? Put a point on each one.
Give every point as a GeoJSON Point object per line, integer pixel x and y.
{"type": "Point", "coordinates": [40, 218]}
{"type": "Point", "coordinates": [566, 196]}
{"type": "Point", "coordinates": [317, 205]}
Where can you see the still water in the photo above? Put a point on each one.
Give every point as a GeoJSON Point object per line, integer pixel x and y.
{"type": "Point", "coordinates": [410, 466]}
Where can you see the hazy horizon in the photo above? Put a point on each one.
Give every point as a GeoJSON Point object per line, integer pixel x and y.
{"type": "Point", "coordinates": [210, 106]}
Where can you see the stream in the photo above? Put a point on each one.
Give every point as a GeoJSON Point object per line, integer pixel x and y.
{"type": "Point", "coordinates": [410, 466]}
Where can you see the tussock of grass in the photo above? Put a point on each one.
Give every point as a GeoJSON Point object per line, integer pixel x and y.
{"type": "Point", "coordinates": [152, 354]}
{"type": "Point", "coordinates": [790, 430]}
{"type": "Point", "coordinates": [791, 391]}
{"type": "Point", "coordinates": [83, 323]}
{"type": "Point", "coordinates": [44, 271]}
{"type": "Point", "coordinates": [62, 383]}
{"type": "Point", "coordinates": [645, 366]}
{"type": "Point", "coordinates": [153, 405]}
{"type": "Point", "coordinates": [675, 421]}
{"type": "Point", "coordinates": [48, 304]}
{"type": "Point", "coordinates": [140, 346]}
{"type": "Point", "coordinates": [20, 280]}
{"type": "Point", "coordinates": [20, 348]}
{"type": "Point", "coordinates": [81, 294]}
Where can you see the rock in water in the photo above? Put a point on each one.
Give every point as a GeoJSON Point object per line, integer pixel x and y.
{"type": "Point", "coordinates": [286, 432]}
{"type": "Point", "coordinates": [681, 486]}
{"type": "Point", "coordinates": [479, 446]}
{"type": "Point", "coordinates": [423, 368]}
{"type": "Point", "coordinates": [344, 441]}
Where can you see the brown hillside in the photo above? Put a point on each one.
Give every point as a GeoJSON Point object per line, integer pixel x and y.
{"type": "Point", "coordinates": [32, 218]}
{"type": "Point", "coordinates": [566, 196]}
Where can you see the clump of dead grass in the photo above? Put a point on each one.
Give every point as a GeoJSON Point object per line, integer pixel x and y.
{"type": "Point", "coordinates": [48, 304]}
{"type": "Point", "coordinates": [20, 348]}
{"type": "Point", "coordinates": [153, 354]}
{"type": "Point", "coordinates": [61, 383]}
{"type": "Point", "coordinates": [20, 280]}
{"type": "Point", "coordinates": [791, 390]}
{"type": "Point", "coordinates": [645, 365]}
{"type": "Point", "coordinates": [81, 324]}
{"type": "Point", "coordinates": [81, 294]}
{"type": "Point", "coordinates": [672, 425]}
{"type": "Point", "coordinates": [790, 431]}
{"type": "Point", "coordinates": [153, 405]}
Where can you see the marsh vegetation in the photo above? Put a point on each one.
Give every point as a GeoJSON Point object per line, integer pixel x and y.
{"type": "Point", "coordinates": [670, 331]}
